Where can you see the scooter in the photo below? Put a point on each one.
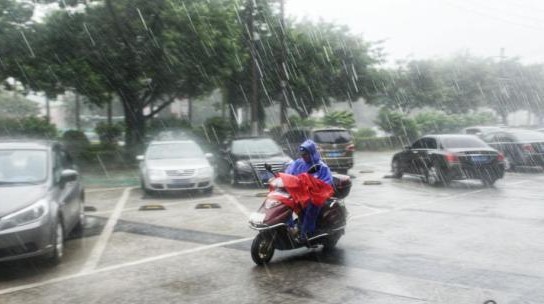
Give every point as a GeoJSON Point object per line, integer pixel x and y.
{"type": "Point", "coordinates": [277, 221]}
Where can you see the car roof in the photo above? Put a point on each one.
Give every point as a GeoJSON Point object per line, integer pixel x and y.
{"type": "Point", "coordinates": [251, 137]}
{"type": "Point", "coordinates": [166, 142]}
{"type": "Point", "coordinates": [27, 144]}
{"type": "Point", "coordinates": [442, 136]}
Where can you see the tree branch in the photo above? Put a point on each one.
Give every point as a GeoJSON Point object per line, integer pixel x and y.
{"type": "Point", "coordinates": [161, 107]}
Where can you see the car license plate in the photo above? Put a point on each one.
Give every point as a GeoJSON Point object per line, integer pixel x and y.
{"type": "Point", "coordinates": [479, 159]}
{"type": "Point", "coordinates": [334, 154]}
{"type": "Point", "coordinates": [181, 181]}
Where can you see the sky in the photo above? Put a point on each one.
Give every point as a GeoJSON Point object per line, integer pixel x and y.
{"type": "Point", "coordinates": [418, 29]}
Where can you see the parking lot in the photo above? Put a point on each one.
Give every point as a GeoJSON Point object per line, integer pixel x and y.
{"type": "Point", "coordinates": [406, 242]}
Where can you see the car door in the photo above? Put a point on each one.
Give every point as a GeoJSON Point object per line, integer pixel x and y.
{"type": "Point", "coordinates": [68, 193]}
{"type": "Point", "coordinates": [407, 157]}
{"type": "Point", "coordinates": [422, 158]}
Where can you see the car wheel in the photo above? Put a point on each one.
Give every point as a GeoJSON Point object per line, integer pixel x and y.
{"type": "Point", "coordinates": [58, 244]}
{"type": "Point", "coordinates": [489, 181]}
{"type": "Point", "coordinates": [395, 167]}
{"type": "Point", "coordinates": [208, 191]}
{"type": "Point", "coordinates": [146, 191]}
{"type": "Point", "coordinates": [433, 176]}
{"type": "Point", "coordinates": [508, 165]}
{"type": "Point", "coordinates": [232, 178]}
{"type": "Point", "coordinates": [80, 226]}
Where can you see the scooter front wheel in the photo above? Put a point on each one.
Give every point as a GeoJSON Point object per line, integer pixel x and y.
{"type": "Point", "coordinates": [262, 249]}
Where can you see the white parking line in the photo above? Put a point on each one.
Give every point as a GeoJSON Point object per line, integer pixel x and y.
{"type": "Point", "coordinates": [123, 265]}
{"type": "Point", "coordinates": [92, 190]}
{"type": "Point", "coordinates": [234, 201]}
{"type": "Point", "coordinates": [100, 245]}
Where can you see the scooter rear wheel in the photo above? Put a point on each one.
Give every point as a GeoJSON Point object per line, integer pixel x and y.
{"type": "Point", "coordinates": [262, 249]}
{"type": "Point", "coordinates": [330, 243]}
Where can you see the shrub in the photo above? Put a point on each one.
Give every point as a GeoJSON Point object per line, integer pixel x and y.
{"type": "Point", "coordinates": [398, 124]}
{"type": "Point", "coordinates": [365, 133]}
{"type": "Point", "coordinates": [76, 143]}
{"type": "Point", "coordinates": [31, 127]}
{"type": "Point", "coordinates": [342, 119]}
{"type": "Point", "coordinates": [109, 134]}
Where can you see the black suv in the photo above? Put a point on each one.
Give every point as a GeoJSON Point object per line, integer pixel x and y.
{"type": "Point", "coordinates": [242, 160]}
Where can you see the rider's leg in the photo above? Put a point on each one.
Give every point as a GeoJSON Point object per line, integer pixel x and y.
{"type": "Point", "coordinates": [310, 219]}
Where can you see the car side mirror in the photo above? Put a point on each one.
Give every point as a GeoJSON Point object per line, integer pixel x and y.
{"type": "Point", "coordinates": [209, 156]}
{"type": "Point", "coordinates": [140, 157]}
{"type": "Point", "coordinates": [68, 176]}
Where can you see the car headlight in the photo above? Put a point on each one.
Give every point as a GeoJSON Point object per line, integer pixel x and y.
{"type": "Point", "coordinates": [242, 165]}
{"type": "Point", "coordinates": [156, 174]}
{"type": "Point", "coordinates": [205, 172]}
{"type": "Point", "coordinates": [25, 216]}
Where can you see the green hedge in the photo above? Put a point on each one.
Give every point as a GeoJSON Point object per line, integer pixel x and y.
{"type": "Point", "coordinates": [379, 143]}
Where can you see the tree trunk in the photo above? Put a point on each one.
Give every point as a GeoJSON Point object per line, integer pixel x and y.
{"type": "Point", "coordinates": [109, 110]}
{"type": "Point", "coordinates": [135, 122]}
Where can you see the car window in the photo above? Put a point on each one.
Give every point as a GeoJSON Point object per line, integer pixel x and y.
{"type": "Point", "coordinates": [174, 151]}
{"type": "Point", "coordinates": [529, 136]}
{"type": "Point", "coordinates": [332, 137]}
{"type": "Point", "coordinates": [462, 142]}
{"type": "Point", "coordinates": [251, 146]}
{"type": "Point", "coordinates": [429, 143]}
{"type": "Point", "coordinates": [22, 166]}
{"type": "Point", "coordinates": [418, 144]}
{"type": "Point", "coordinates": [503, 138]}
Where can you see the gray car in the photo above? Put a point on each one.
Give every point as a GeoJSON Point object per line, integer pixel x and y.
{"type": "Point", "coordinates": [42, 200]}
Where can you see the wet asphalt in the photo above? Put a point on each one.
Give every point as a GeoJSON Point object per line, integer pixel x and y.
{"type": "Point", "coordinates": [406, 242]}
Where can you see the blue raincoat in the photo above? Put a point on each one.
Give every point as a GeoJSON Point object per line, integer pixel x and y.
{"type": "Point", "coordinates": [300, 166]}
{"type": "Point", "coordinates": [324, 173]}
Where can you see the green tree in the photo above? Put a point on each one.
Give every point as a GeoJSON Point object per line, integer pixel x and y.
{"type": "Point", "coordinates": [14, 105]}
{"type": "Point", "coordinates": [342, 119]}
{"type": "Point", "coordinates": [147, 52]}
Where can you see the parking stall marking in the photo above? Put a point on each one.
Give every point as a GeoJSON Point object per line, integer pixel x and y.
{"type": "Point", "coordinates": [123, 265]}
{"type": "Point", "coordinates": [102, 242]}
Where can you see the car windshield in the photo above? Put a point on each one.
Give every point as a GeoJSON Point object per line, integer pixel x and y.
{"type": "Point", "coordinates": [174, 151]}
{"type": "Point", "coordinates": [252, 146]}
{"type": "Point", "coordinates": [462, 142]}
{"type": "Point", "coordinates": [23, 166]}
{"type": "Point", "coordinates": [332, 137]}
{"type": "Point", "coordinates": [529, 136]}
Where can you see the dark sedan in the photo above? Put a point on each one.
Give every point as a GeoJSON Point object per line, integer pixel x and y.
{"type": "Point", "coordinates": [42, 200]}
{"type": "Point", "coordinates": [242, 160]}
{"type": "Point", "coordinates": [439, 159]}
{"type": "Point", "coordinates": [520, 147]}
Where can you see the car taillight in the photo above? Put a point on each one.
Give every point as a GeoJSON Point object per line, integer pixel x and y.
{"type": "Point", "coordinates": [500, 157]}
{"type": "Point", "coordinates": [351, 148]}
{"type": "Point", "coordinates": [528, 148]}
{"type": "Point", "coordinates": [452, 158]}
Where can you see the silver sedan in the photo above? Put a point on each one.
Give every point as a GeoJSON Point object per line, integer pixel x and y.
{"type": "Point", "coordinates": [174, 166]}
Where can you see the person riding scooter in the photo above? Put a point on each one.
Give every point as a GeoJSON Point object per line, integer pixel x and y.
{"type": "Point", "coordinates": [309, 157]}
